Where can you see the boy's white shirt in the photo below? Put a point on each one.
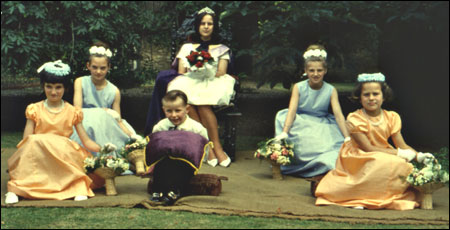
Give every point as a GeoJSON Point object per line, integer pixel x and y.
{"type": "Point", "coordinates": [189, 125]}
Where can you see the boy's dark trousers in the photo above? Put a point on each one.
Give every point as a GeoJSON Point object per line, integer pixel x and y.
{"type": "Point", "coordinates": [171, 175]}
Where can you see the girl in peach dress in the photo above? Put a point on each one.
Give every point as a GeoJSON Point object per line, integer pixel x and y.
{"type": "Point", "coordinates": [369, 170]}
{"type": "Point", "coordinates": [47, 164]}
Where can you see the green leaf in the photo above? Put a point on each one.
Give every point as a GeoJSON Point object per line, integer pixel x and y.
{"type": "Point", "coordinates": [21, 8]}
{"type": "Point", "coordinates": [244, 11]}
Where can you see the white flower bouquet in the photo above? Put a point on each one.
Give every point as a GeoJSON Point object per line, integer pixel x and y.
{"type": "Point", "coordinates": [134, 151]}
{"type": "Point", "coordinates": [107, 166]}
{"type": "Point", "coordinates": [106, 160]}
{"type": "Point", "coordinates": [428, 178]}
{"type": "Point", "coordinates": [277, 152]}
{"type": "Point", "coordinates": [432, 172]}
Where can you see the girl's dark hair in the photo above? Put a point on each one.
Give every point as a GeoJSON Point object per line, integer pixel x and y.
{"type": "Point", "coordinates": [215, 37]}
{"type": "Point", "coordinates": [99, 44]}
{"type": "Point", "coordinates": [47, 77]}
{"type": "Point", "coordinates": [388, 94]}
{"type": "Point", "coordinates": [173, 95]}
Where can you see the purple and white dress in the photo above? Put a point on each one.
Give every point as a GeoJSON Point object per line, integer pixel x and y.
{"type": "Point", "coordinates": [205, 88]}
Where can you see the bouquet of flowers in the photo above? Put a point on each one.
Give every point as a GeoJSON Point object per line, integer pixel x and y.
{"type": "Point", "coordinates": [427, 178]}
{"type": "Point", "coordinates": [277, 152]}
{"type": "Point", "coordinates": [107, 166]}
{"type": "Point", "coordinates": [200, 63]}
{"type": "Point", "coordinates": [106, 160]}
{"type": "Point", "coordinates": [134, 152]}
{"type": "Point", "coordinates": [432, 172]}
{"type": "Point", "coordinates": [197, 60]}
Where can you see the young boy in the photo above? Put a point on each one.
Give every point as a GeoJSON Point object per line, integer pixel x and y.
{"type": "Point", "coordinates": [170, 176]}
{"type": "Point", "coordinates": [175, 108]}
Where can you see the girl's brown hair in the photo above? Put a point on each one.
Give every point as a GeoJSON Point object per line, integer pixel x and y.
{"type": "Point", "coordinates": [388, 94]}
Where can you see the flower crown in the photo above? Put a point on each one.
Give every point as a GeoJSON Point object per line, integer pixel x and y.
{"type": "Point", "coordinates": [57, 68]}
{"type": "Point", "coordinates": [100, 50]}
{"type": "Point", "coordinates": [206, 10]}
{"type": "Point", "coordinates": [315, 53]}
{"type": "Point", "coordinates": [366, 77]}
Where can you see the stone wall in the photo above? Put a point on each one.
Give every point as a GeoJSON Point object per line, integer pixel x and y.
{"type": "Point", "coordinates": [155, 56]}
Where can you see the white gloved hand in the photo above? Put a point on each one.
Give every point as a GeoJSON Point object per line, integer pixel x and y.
{"type": "Point", "coordinates": [424, 156]}
{"type": "Point", "coordinates": [108, 147]}
{"type": "Point", "coordinates": [281, 136]}
{"type": "Point", "coordinates": [114, 114]}
{"type": "Point", "coordinates": [347, 139]}
{"type": "Point", "coordinates": [136, 137]}
{"type": "Point", "coordinates": [406, 154]}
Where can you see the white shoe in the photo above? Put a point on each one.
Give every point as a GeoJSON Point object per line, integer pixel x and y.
{"type": "Point", "coordinates": [11, 198]}
{"type": "Point", "coordinates": [226, 162]}
{"type": "Point", "coordinates": [127, 172]}
{"type": "Point", "coordinates": [80, 198]}
{"type": "Point", "coordinates": [212, 162]}
{"type": "Point", "coordinates": [358, 207]}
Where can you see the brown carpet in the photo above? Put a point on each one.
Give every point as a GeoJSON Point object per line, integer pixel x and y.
{"type": "Point", "coordinates": [250, 191]}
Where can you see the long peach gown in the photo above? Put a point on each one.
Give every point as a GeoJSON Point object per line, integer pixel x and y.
{"type": "Point", "coordinates": [369, 179]}
{"type": "Point", "coordinates": [47, 164]}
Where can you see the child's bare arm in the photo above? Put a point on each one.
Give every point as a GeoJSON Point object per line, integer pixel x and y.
{"type": "Point", "coordinates": [87, 142]}
{"type": "Point", "coordinates": [29, 128]}
{"type": "Point", "coordinates": [337, 111]}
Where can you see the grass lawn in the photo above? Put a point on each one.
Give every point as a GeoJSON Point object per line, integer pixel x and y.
{"type": "Point", "coordinates": [122, 218]}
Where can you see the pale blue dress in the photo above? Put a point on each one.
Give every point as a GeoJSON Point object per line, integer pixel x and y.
{"type": "Point", "coordinates": [314, 132]}
{"type": "Point", "coordinates": [101, 127]}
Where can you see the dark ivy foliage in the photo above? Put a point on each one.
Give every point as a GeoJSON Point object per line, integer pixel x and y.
{"type": "Point", "coordinates": [40, 31]}
{"type": "Point", "coordinates": [37, 32]}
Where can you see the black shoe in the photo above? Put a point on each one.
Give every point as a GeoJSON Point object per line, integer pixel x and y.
{"type": "Point", "coordinates": [170, 198]}
{"type": "Point", "coordinates": [156, 197]}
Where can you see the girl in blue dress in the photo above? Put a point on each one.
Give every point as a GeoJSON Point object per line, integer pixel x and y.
{"type": "Point", "coordinates": [316, 134]}
{"type": "Point", "coordinates": [100, 100]}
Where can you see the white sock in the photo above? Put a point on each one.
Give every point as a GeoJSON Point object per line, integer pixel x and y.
{"type": "Point", "coordinates": [80, 198]}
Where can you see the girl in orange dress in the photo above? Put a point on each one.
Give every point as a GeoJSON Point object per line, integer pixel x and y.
{"type": "Point", "coordinates": [47, 164]}
{"type": "Point", "coordinates": [369, 170]}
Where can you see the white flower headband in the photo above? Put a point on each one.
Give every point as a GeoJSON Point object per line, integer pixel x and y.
{"type": "Point", "coordinates": [57, 68]}
{"type": "Point", "coordinates": [206, 10]}
{"type": "Point", "coordinates": [367, 77]}
{"type": "Point", "coordinates": [100, 50]}
{"type": "Point", "coordinates": [315, 53]}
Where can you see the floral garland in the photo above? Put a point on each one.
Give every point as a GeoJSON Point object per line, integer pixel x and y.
{"type": "Point", "coordinates": [431, 172]}
{"type": "Point", "coordinates": [100, 50]}
{"type": "Point", "coordinates": [105, 159]}
{"type": "Point", "coordinates": [367, 77]}
{"type": "Point", "coordinates": [280, 152]}
{"type": "Point", "coordinates": [315, 53]}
